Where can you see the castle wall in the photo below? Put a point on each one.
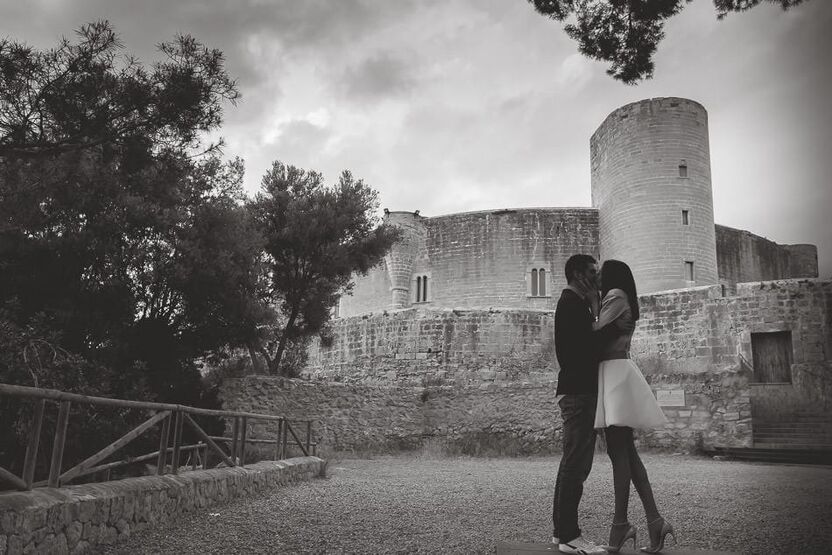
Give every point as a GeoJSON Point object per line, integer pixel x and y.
{"type": "Point", "coordinates": [741, 257]}
{"type": "Point", "coordinates": [478, 259]}
{"type": "Point", "coordinates": [521, 417]}
{"type": "Point", "coordinates": [484, 259]}
{"type": "Point", "coordinates": [370, 293]}
{"type": "Point", "coordinates": [509, 417]}
{"type": "Point", "coordinates": [420, 346]}
{"type": "Point", "coordinates": [686, 331]}
{"type": "Point", "coordinates": [803, 261]}
{"type": "Point", "coordinates": [399, 260]}
{"type": "Point", "coordinates": [745, 257]}
{"type": "Point", "coordinates": [694, 340]}
{"type": "Point", "coordinates": [640, 192]}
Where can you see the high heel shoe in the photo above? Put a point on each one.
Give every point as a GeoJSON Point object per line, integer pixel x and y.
{"type": "Point", "coordinates": [658, 531]}
{"type": "Point", "coordinates": [619, 535]}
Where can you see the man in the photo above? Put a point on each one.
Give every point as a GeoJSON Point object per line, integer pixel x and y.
{"type": "Point", "coordinates": [577, 393]}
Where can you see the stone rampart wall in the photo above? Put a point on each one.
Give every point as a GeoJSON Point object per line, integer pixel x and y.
{"type": "Point", "coordinates": [383, 417]}
{"type": "Point", "coordinates": [76, 519]}
{"type": "Point", "coordinates": [480, 259]}
{"type": "Point", "coordinates": [744, 257]}
{"type": "Point", "coordinates": [420, 347]}
{"type": "Point", "coordinates": [683, 331]}
{"type": "Point", "coordinates": [510, 417]}
{"type": "Point", "coordinates": [693, 339]}
{"type": "Point", "coordinates": [696, 330]}
{"type": "Point", "coordinates": [483, 259]}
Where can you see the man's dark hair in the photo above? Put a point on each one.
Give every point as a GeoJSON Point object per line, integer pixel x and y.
{"type": "Point", "coordinates": [617, 275]}
{"type": "Point", "coordinates": [577, 263]}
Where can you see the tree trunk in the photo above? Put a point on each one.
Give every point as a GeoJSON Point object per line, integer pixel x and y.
{"type": "Point", "coordinates": [256, 363]}
{"type": "Point", "coordinates": [281, 347]}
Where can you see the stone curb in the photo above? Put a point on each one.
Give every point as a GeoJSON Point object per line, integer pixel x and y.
{"type": "Point", "coordinates": [74, 519]}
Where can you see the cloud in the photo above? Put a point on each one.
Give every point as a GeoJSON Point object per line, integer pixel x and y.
{"type": "Point", "coordinates": [475, 104]}
{"type": "Point", "coordinates": [376, 78]}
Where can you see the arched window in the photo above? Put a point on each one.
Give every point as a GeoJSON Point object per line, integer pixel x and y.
{"type": "Point", "coordinates": [422, 289]}
{"type": "Point", "coordinates": [537, 282]}
{"type": "Point", "coordinates": [534, 282]}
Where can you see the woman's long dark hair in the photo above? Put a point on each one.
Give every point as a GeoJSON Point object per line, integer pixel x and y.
{"type": "Point", "coordinates": [617, 275]}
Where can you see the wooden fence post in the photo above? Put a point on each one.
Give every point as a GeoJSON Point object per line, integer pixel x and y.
{"type": "Point", "coordinates": [34, 442]}
{"type": "Point", "coordinates": [243, 434]}
{"type": "Point", "coordinates": [164, 439]}
{"type": "Point", "coordinates": [308, 436]}
{"type": "Point", "coordinates": [177, 442]}
{"type": "Point", "coordinates": [285, 437]}
{"type": "Point", "coordinates": [235, 432]}
{"type": "Point", "coordinates": [58, 445]}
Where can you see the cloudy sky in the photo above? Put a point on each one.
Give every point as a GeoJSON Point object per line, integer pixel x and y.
{"type": "Point", "coordinates": [450, 106]}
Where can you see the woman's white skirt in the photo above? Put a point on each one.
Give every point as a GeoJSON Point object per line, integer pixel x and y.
{"type": "Point", "coordinates": [625, 397]}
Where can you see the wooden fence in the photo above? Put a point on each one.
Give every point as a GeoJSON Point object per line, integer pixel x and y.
{"type": "Point", "coordinates": [171, 418]}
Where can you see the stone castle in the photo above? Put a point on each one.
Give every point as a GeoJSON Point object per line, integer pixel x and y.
{"type": "Point", "coordinates": [452, 337]}
{"type": "Point", "coordinates": [652, 208]}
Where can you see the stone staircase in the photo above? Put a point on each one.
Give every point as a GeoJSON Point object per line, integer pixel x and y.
{"type": "Point", "coordinates": [802, 431]}
{"type": "Point", "coordinates": [804, 438]}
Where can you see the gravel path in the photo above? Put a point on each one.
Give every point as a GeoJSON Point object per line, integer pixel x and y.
{"type": "Point", "coordinates": [410, 504]}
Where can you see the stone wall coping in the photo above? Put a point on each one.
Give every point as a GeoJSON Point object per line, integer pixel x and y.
{"type": "Point", "coordinates": [552, 209]}
{"type": "Point", "coordinates": [45, 498]}
{"type": "Point", "coordinates": [748, 287]}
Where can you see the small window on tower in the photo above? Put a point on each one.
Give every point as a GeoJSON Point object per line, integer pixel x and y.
{"type": "Point", "coordinates": [685, 217]}
{"type": "Point", "coordinates": [683, 169]}
{"type": "Point", "coordinates": [689, 270]}
{"type": "Point", "coordinates": [419, 289]}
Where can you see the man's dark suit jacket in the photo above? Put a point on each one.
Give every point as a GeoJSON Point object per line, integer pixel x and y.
{"type": "Point", "coordinates": [577, 346]}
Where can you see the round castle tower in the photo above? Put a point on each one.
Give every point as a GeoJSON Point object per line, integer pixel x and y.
{"type": "Point", "coordinates": [651, 184]}
{"type": "Point", "coordinates": [399, 260]}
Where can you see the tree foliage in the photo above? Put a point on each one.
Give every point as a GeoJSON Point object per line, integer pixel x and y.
{"type": "Point", "coordinates": [128, 250]}
{"type": "Point", "coordinates": [316, 237]}
{"type": "Point", "coordinates": [626, 33]}
{"type": "Point", "coordinates": [106, 188]}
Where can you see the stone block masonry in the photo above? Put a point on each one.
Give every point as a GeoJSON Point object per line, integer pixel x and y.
{"type": "Point", "coordinates": [76, 519]}
{"type": "Point", "coordinates": [509, 416]}
{"type": "Point", "coordinates": [434, 347]}
{"type": "Point", "coordinates": [476, 259]}
{"type": "Point", "coordinates": [743, 257]}
{"type": "Point", "coordinates": [388, 417]}
{"type": "Point", "coordinates": [695, 340]}
{"type": "Point", "coordinates": [640, 190]}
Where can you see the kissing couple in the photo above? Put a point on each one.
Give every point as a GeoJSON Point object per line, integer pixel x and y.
{"type": "Point", "coordinates": [600, 388]}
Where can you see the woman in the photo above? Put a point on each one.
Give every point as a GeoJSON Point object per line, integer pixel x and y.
{"type": "Point", "coordinates": [625, 401]}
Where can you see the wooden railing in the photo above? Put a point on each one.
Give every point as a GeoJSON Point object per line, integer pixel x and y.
{"type": "Point", "coordinates": [171, 418]}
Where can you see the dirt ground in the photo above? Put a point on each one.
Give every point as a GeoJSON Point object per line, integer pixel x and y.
{"type": "Point", "coordinates": [427, 504]}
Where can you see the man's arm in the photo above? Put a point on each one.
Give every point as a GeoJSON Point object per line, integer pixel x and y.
{"type": "Point", "coordinates": [571, 313]}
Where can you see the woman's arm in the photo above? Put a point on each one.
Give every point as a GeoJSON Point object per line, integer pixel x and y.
{"type": "Point", "coordinates": [612, 307]}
